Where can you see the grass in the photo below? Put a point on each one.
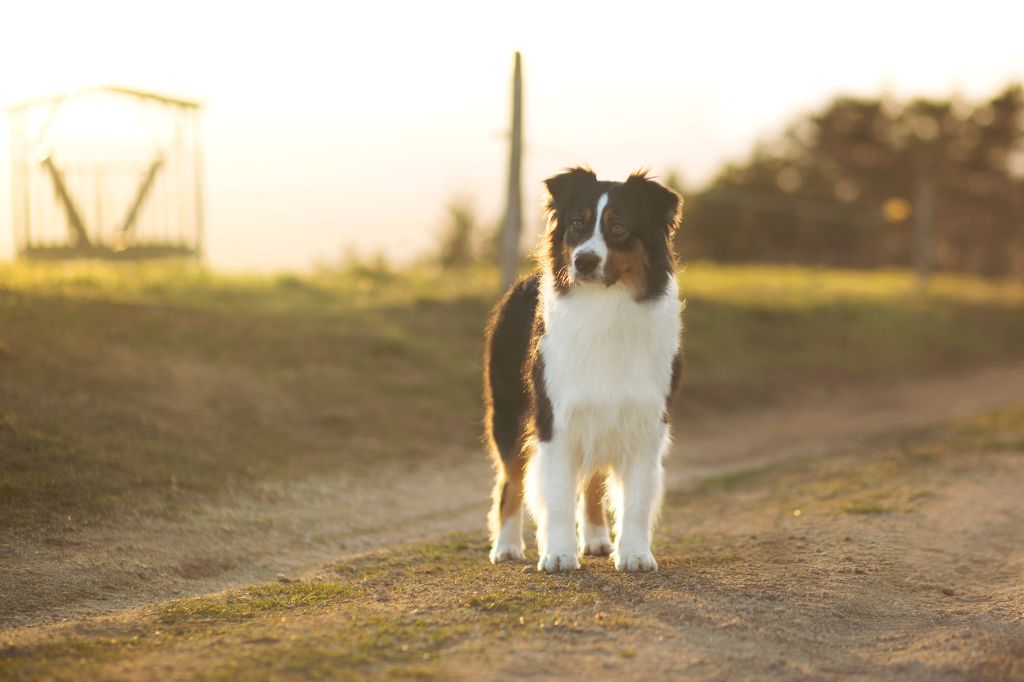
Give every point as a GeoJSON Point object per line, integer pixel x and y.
{"type": "Point", "coordinates": [246, 603]}
{"type": "Point", "coordinates": [1001, 431]}
{"type": "Point", "coordinates": [165, 385]}
{"type": "Point", "coordinates": [399, 607]}
{"type": "Point", "coordinates": [882, 483]}
{"type": "Point", "coordinates": [436, 610]}
{"type": "Point", "coordinates": [758, 334]}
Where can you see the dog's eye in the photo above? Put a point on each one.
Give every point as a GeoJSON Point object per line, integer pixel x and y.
{"type": "Point", "coordinates": [618, 229]}
{"type": "Point", "coordinates": [576, 225]}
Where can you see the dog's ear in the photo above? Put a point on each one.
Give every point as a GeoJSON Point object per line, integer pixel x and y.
{"type": "Point", "coordinates": [659, 204]}
{"type": "Point", "coordinates": [564, 187]}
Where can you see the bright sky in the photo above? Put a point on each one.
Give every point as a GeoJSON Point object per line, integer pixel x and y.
{"type": "Point", "coordinates": [338, 125]}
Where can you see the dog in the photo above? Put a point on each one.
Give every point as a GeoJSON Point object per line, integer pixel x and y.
{"type": "Point", "coordinates": [581, 361]}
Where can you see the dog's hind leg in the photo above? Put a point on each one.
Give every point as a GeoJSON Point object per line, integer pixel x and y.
{"type": "Point", "coordinates": [507, 395]}
{"type": "Point", "coordinates": [506, 511]}
{"type": "Point", "coordinates": [506, 517]}
{"type": "Point", "coordinates": [594, 537]}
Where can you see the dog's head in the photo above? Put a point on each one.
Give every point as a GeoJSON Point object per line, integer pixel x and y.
{"type": "Point", "coordinates": [610, 233]}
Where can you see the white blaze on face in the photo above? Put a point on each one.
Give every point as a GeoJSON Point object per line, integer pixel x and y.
{"type": "Point", "coordinates": [595, 244]}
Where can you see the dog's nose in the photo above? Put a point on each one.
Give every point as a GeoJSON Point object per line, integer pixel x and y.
{"type": "Point", "coordinates": [586, 262]}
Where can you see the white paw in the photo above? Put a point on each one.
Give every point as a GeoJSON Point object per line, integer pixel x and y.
{"type": "Point", "coordinates": [506, 552]}
{"type": "Point", "coordinates": [634, 561]}
{"type": "Point", "coordinates": [558, 561]}
{"type": "Point", "coordinates": [508, 545]}
{"type": "Point", "coordinates": [596, 541]}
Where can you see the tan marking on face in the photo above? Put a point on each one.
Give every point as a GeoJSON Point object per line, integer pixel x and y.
{"type": "Point", "coordinates": [627, 267]}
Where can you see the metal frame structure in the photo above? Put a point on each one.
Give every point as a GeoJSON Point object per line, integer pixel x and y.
{"type": "Point", "coordinates": [139, 197]}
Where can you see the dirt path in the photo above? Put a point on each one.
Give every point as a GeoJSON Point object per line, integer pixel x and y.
{"type": "Point", "coordinates": [296, 529]}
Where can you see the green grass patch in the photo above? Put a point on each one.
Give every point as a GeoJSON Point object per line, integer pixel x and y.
{"type": "Point", "coordinates": [1000, 431]}
{"type": "Point", "coordinates": [260, 600]}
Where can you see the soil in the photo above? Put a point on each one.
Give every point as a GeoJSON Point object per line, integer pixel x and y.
{"type": "Point", "coordinates": [291, 531]}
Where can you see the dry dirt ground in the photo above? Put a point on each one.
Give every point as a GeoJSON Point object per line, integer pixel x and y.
{"type": "Point", "coordinates": [898, 555]}
{"type": "Point", "coordinates": [294, 530]}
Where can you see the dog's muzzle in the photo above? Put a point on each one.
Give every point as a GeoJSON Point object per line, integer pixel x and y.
{"type": "Point", "coordinates": [586, 265]}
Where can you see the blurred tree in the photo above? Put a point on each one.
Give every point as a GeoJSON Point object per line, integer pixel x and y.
{"type": "Point", "coordinates": [458, 240]}
{"type": "Point", "coordinates": [835, 188]}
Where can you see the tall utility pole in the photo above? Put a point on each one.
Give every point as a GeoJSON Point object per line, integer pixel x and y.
{"type": "Point", "coordinates": [514, 208]}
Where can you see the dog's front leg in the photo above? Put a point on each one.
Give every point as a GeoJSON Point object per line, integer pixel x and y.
{"type": "Point", "coordinates": [642, 485]}
{"type": "Point", "coordinates": [551, 482]}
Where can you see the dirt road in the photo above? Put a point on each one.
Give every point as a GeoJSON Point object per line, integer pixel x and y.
{"type": "Point", "coordinates": [292, 530]}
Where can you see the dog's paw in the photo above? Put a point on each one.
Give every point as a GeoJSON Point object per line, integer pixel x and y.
{"type": "Point", "coordinates": [506, 552]}
{"type": "Point", "coordinates": [596, 541]}
{"type": "Point", "coordinates": [556, 562]}
{"type": "Point", "coordinates": [597, 547]}
{"type": "Point", "coordinates": [634, 561]}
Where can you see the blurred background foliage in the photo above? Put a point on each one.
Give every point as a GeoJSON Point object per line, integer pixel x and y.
{"type": "Point", "coordinates": [838, 187]}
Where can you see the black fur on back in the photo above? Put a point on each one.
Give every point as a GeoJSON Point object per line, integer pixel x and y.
{"type": "Point", "coordinates": [509, 346]}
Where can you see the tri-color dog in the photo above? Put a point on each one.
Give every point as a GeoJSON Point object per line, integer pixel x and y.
{"type": "Point", "coordinates": [581, 362]}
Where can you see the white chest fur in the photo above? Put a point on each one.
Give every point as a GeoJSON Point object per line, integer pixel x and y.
{"type": "Point", "coordinates": [608, 365]}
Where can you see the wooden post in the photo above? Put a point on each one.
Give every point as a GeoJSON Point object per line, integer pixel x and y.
{"type": "Point", "coordinates": [924, 218]}
{"type": "Point", "coordinates": [19, 183]}
{"type": "Point", "coordinates": [78, 237]}
{"type": "Point", "coordinates": [140, 196]}
{"type": "Point", "coordinates": [197, 161]}
{"type": "Point", "coordinates": [513, 226]}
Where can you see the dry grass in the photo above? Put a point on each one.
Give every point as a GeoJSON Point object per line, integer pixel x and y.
{"type": "Point", "coordinates": [156, 387]}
